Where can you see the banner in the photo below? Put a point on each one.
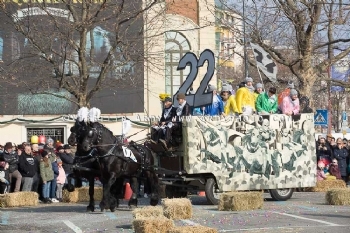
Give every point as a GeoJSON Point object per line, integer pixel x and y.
{"type": "Point", "coordinates": [264, 62]}
{"type": "Point", "coordinates": [340, 71]}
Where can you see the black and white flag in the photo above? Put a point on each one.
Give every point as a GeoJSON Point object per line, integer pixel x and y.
{"type": "Point", "coordinates": [264, 62]}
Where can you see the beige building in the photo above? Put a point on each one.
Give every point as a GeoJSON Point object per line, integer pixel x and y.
{"type": "Point", "coordinates": [171, 28]}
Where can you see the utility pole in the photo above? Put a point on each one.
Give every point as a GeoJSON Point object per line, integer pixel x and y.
{"type": "Point", "coordinates": [329, 123]}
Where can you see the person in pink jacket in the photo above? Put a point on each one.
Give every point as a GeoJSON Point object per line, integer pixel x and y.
{"type": "Point", "coordinates": [61, 179]}
{"type": "Point", "coordinates": [290, 104]}
{"type": "Point", "coordinates": [320, 171]}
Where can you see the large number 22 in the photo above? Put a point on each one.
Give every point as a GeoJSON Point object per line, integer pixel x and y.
{"type": "Point", "coordinates": [200, 98]}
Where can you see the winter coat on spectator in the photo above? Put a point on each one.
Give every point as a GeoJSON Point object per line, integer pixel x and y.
{"type": "Point", "coordinates": [12, 159]}
{"type": "Point", "coordinates": [266, 104]}
{"type": "Point", "coordinates": [46, 171]}
{"type": "Point", "coordinates": [4, 174]}
{"type": "Point", "coordinates": [341, 155]}
{"type": "Point", "coordinates": [320, 175]}
{"type": "Point", "coordinates": [230, 105]}
{"type": "Point", "coordinates": [55, 169]}
{"type": "Point", "coordinates": [288, 105]}
{"type": "Point", "coordinates": [27, 166]}
{"type": "Point", "coordinates": [334, 171]}
{"type": "Point", "coordinates": [61, 178]}
{"type": "Point", "coordinates": [67, 161]}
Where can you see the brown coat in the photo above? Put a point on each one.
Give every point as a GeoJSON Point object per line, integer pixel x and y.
{"type": "Point", "coordinates": [334, 171]}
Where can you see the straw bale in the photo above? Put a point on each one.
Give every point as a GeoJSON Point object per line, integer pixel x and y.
{"type": "Point", "coordinates": [148, 212]}
{"type": "Point", "coordinates": [177, 208]}
{"type": "Point", "coordinates": [238, 201]}
{"type": "Point", "coordinates": [192, 229]}
{"type": "Point", "coordinates": [19, 199]}
{"type": "Point", "coordinates": [338, 197]}
{"type": "Point", "coordinates": [82, 195]}
{"type": "Point", "coordinates": [152, 225]}
{"type": "Point", "coordinates": [325, 185]}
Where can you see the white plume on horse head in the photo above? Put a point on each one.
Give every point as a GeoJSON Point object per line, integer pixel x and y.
{"type": "Point", "coordinates": [83, 114]}
{"type": "Point", "coordinates": [126, 126]}
{"type": "Point", "coordinates": [94, 114]}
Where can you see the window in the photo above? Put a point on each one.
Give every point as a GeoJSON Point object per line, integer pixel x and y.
{"type": "Point", "coordinates": [57, 134]}
{"type": "Point", "coordinates": [176, 46]}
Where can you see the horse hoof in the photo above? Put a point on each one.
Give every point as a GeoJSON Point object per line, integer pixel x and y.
{"type": "Point", "coordinates": [90, 209]}
{"type": "Point", "coordinates": [112, 209]}
{"type": "Point", "coordinates": [132, 207]}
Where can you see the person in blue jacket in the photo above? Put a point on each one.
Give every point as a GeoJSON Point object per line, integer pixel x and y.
{"type": "Point", "coordinates": [217, 106]}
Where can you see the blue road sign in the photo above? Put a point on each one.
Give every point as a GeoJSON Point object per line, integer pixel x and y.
{"type": "Point", "coordinates": [321, 117]}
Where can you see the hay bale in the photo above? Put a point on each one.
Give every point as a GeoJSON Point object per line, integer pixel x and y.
{"type": "Point", "coordinates": [325, 185]}
{"type": "Point", "coordinates": [177, 208]}
{"type": "Point", "coordinates": [238, 201]}
{"type": "Point", "coordinates": [19, 199]}
{"type": "Point", "coordinates": [148, 212]}
{"type": "Point", "coordinates": [338, 197]}
{"type": "Point", "coordinates": [82, 195]}
{"type": "Point", "coordinates": [152, 225]}
{"type": "Point", "coordinates": [192, 229]}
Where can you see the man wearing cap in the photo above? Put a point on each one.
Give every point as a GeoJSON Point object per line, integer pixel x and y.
{"type": "Point", "coordinates": [159, 130]}
{"type": "Point", "coordinates": [217, 106]}
{"type": "Point", "coordinates": [12, 159]}
{"type": "Point", "coordinates": [67, 160]}
{"type": "Point", "coordinates": [290, 104]}
{"type": "Point", "coordinates": [245, 100]}
{"type": "Point", "coordinates": [230, 106]}
{"type": "Point", "coordinates": [184, 109]}
{"type": "Point", "coordinates": [27, 168]}
{"type": "Point", "coordinates": [267, 102]}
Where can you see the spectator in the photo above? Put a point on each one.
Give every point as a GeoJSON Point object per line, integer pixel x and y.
{"type": "Point", "coordinates": [285, 92]}
{"type": "Point", "coordinates": [267, 102]}
{"type": "Point", "coordinates": [290, 104]}
{"type": "Point", "coordinates": [340, 153]}
{"type": "Point", "coordinates": [37, 182]}
{"type": "Point", "coordinates": [27, 168]}
{"type": "Point", "coordinates": [323, 152]}
{"type": "Point", "coordinates": [47, 175]}
{"type": "Point", "coordinates": [4, 177]}
{"type": "Point", "coordinates": [67, 159]}
{"type": "Point", "coordinates": [11, 157]}
{"type": "Point", "coordinates": [320, 171]}
{"type": "Point", "coordinates": [334, 169]}
{"type": "Point", "coordinates": [61, 180]}
{"type": "Point", "coordinates": [50, 149]}
{"type": "Point", "coordinates": [54, 181]}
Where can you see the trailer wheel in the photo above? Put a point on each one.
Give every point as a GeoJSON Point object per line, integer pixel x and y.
{"type": "Point", "coordinates": [281, 194]}
{"type": "Point", "coordinates": [210, 192]}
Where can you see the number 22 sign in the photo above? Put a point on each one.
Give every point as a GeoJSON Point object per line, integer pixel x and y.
{"type": "Point", "coordinates": [201, 97]}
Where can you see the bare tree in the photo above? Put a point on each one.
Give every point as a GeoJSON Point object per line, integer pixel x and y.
{"type": "Point", "coordinates": [311, 28]}
{"type": "Point", "coordinates": [80, 46]}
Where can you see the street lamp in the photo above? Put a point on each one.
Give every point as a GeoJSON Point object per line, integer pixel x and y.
{"type": "Point", "coordinates": [244, 44]}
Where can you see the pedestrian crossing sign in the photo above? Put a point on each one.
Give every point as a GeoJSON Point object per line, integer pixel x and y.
{"type": "Point", "coordinates": [321, 117]}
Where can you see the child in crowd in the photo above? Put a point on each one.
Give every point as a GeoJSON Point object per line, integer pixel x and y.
{"type": "Point", "coordinates": [4, 177]}
{"type": "Point", "coordinates": [61, 179]}
{"type": "Point", "coordinates": [334, 169]}
{"type": "Point", "coordinates": [320, 171]}
{"type": "Point", "coordinates": [47, 175]}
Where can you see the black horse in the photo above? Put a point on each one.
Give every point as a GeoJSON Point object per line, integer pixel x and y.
{"type": "Point", "coordinates": [86, 165]}
{"type": "Point", "coordinates": [115, 164]}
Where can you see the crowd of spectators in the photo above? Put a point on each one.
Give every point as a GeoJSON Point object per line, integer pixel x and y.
{"type": "Point", "coordinates": [333, 158]}
{"type": "Point", "coordinates": [38, 167]}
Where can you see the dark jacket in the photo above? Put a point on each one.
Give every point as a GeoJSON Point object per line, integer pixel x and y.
{"type": "Point", "coordinates": [170, 116]}
{"type": "Point", "coordinates": [341, 155]}
{"type": "Point", "coordinates": [55, 169]}
{"type": "Point", "coordinates": [186, 111]}
{"type": "Point", "coordinates": [27, 166]}
{"type": "Point", "coordinates": [12, 160]}
{"type": "Point", "coordinates": [67, 162]}
{"type": "Point", "coordinates": [322, 153]}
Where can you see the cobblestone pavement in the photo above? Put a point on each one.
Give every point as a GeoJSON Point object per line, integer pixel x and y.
{"type": "Point", "coordinates": [305, 212]}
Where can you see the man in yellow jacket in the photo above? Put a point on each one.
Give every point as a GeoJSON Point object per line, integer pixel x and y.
{"type": "Point", "coordinates": [230, 107]}
{"type": "Point", "coordinates": [245, 100]}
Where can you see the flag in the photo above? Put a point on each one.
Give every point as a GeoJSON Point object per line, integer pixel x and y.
{"type": "Point", "coordinates": [264, 62]}
{"type": "Point", "coordinates": [340, 71]}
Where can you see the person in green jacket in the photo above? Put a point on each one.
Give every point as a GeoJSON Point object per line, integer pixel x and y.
{"type": "Point", "coordinates": [266, 103]}
{"type": "Point", "coordinates": [47, 175]}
